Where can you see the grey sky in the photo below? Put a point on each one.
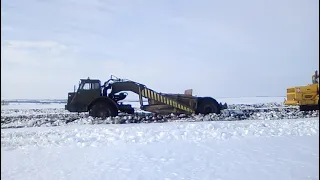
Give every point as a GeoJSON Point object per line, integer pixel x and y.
{"type": "Point", "coordinates": [218, 48]}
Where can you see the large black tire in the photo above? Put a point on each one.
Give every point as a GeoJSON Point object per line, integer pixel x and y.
{"type": "Point", "coordinates": [103, 110]}
{"type": "Point", "coordinates": [312, 107]}
{"type": "Point", "coordinates": [208, 105]}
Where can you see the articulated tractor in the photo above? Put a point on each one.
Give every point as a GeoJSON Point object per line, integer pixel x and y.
{"type": "Point", "coordinates": [306, 97]}
{"type": "Point", "coordinates": [94, 98]}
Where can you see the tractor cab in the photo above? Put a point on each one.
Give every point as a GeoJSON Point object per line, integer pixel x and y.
{"type": "Point", "coordinates": [88, 90]}
{"type": "Point", "coordinates": [89, 84]}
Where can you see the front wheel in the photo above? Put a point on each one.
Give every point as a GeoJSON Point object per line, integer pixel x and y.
{"type": "Point", "coordinates": [103, 110]}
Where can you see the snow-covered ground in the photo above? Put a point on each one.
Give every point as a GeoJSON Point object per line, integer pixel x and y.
{"type": "Point", "coordinates": [32, 106]}
{"type": "Point", "coordinates": [224, 150]}
{"type": "Point", "coordinates": [287, 149]}
{"type": "Point", "coordinates": [251, 100]}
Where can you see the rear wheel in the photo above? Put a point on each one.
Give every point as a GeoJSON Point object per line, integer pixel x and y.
{"type": "Point", "coordinates": [103, 110]}
{"type": "Point", "coordinates": [207, 106]}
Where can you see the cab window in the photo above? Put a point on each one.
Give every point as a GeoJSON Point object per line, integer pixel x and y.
{"type": "Point", "coordinates": [89, 86]}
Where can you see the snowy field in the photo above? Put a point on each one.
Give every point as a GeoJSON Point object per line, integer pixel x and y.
{"type": "Point", "coordinates": [217, 150]}
{"type": "Point", "coordinates": [32, 106]}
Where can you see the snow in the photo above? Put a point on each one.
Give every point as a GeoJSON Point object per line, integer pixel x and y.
{"type": "Point", "coordinates": [250, 159]}
{"type": "Point", "coordinates": [32, 106]}
{"type": "Point", "coordinates": [252, 100]}
{"type": "Point", "coordinates": [281, 144]}
{"type": "Point", "coordinates": [264, 149]}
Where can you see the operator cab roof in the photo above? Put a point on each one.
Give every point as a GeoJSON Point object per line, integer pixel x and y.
{"type": "Point", "coordinates": [90, 80]}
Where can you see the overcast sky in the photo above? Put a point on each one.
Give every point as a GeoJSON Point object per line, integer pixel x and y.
{"type": "Point", "coordinates": [218, 48]}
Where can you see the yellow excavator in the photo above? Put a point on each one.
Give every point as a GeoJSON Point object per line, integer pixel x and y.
{"type": "Point", "coordinates": [306, 97]}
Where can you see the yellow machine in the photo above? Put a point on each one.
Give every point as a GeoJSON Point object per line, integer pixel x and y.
{"type": "Point", "coordinates": [306, 97]}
